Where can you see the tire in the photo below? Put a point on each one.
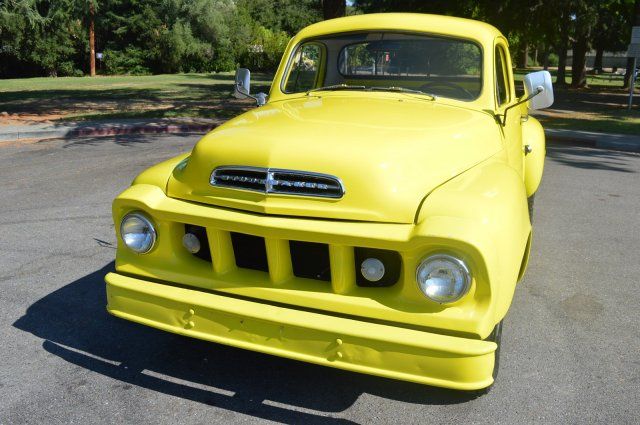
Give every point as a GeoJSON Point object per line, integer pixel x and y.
{"type": "Point", "coordinates": [530, 201]}
{"type": "Point", "coordinates": [495, 336]}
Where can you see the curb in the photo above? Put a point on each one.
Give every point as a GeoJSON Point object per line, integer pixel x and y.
{"type": "Point", "coordinates": [618, 142]}
{"type": "Point", "coordinates": [146, 129]}
{"type": "Point", "coordinates": [70, 132]}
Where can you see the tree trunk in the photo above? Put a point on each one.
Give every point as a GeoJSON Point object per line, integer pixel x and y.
{"type": "Point", "coordinates": [334, 8]}
{"type": "Point", "coordinates": [629, 73]}
{"type": "Point", "coordinates": [524, 57]}
{"type": "Point", "coordinates": [545, 57]}
{"type": "Point", "coordinates": [630, 70]}
{"type": "Point", "coordinates": [92, 41]}
{"type": "Point", "coordinates": [579, 63]}
{"type": "Point", "coordinates": [561, 79]}
{"type": "Point", "coordinates": [597, 65]}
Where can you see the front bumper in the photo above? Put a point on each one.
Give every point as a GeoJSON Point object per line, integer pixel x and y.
{"type": "Point", "coordinates": [320, 338]}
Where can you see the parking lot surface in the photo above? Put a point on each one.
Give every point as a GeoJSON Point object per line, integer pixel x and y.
{"type": "Point", "coordinates": [571, 340]}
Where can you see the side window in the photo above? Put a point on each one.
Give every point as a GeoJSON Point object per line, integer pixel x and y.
{"type": "Point", "coordinates": [305, 68]}
{"type": "Point", "coordinates": [502, 83]}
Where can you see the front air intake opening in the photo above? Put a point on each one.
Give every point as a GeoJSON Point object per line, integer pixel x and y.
{"type": "Point", "coordinates": [310, 260]}
{"type": "Point", "coordinates": [196, 242]}
{"type": "Point", "coordinates": [250, 252]}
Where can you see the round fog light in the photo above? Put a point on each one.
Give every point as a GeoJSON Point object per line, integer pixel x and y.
{"type": "Point", "coordinates": [372, 269]}
{"type": "Point", "coordinates": [137, 233]}
{"type": "Point", "coordinates": [443, 278]}
{"type": "Point", "coordinates": [191, 243]}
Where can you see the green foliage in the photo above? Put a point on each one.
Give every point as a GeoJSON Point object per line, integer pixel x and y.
{"type": "Point", "coordinates": [50, 37]}
{"type": "Point", "coordinates": [604, 23]}
{"type": "Point", "coordinates": [38, 38]}
{"type": "Point", "coordinates": [130, 61]}
{"type": "Point", "coordinates": [289, 16]}
{"type": "Point", "coordinates": [179, 51]}
{"type": "Point", "coordinates": [264, 50]}
{"type": "Point", "coordinates": [46, 37]}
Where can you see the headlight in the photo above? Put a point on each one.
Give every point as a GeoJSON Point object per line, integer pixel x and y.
{"type": "Point", "coordinates": [137, 233]}
{"type": "Point", "coordinates": [443, 278]}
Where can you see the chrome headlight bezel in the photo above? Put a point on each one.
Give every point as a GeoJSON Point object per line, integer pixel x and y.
{"type": "Point", "coordinates": [456, 262]}
{"type": "Point", "coordinates": [149, 226]}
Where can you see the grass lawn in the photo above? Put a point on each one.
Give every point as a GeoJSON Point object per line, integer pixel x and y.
{"type": "Point", "coordinates": [601, 107]}
{"type": "Point", "coordinates": [156, 96]}
{"type": "Point", "coordinates": [603, 80]}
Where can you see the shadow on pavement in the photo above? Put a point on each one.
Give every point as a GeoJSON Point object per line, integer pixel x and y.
{"type": "Point", "coordinates": [76, 327]}
{"type": "Point", "coordinates": [592, 159]}
{"type": "Point", "coordinates": [127, 140]}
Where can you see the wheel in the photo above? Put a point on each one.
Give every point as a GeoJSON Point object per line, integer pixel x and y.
{"type": "Point", "coordinates": [530, 201]}
{"type": "Point", "coordinates": [495, 336]}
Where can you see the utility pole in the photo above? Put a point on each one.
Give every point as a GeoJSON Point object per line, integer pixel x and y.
{"type": "Point", "coordinates": [92, 39]}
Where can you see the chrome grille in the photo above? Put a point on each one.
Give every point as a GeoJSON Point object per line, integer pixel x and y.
{"type": "Point", "coordinates": [240, 178]}
{"type": "Point", "coordinates": [271, 180]}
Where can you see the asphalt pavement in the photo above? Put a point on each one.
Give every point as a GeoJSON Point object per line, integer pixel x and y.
{"type": "Point", "coordinates": [570, 343]}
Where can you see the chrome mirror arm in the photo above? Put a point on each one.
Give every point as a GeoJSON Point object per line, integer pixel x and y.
{"type": "Point", "coordinates": [260, 98]}
{"type": "Point", "coordinates": [503, 118]}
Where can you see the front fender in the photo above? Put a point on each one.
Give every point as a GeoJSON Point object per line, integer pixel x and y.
{"type": "Point", "coordinates": [486, 207]}
{"type": "Point", "coordinates": [158, 175]}
{"type": "Point", "coordinates": [533, 137]}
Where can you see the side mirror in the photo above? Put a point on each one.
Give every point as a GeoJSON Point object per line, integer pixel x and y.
{"type": "Point", "coordinates": [242, 86]}
{"type": "Point", "coordinates": [243, 82]}
{"type": "Point", "coordinates": [538, 86]}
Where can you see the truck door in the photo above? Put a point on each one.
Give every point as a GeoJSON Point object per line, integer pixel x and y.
{"type": "Point", "coordinates": [505, 96]}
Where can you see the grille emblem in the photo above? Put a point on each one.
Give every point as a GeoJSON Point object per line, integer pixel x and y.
{"type": "Point", "coordinates": [272, 180]}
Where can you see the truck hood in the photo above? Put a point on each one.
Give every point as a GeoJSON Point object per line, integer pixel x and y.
{"type": "Point", "coordinates": [389, 151]}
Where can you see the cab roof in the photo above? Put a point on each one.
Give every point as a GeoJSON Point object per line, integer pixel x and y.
{"type": "Point", "coordinates": [484, 33]}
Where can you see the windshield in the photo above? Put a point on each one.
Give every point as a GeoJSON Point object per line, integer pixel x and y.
{"type": "Point", "coordinates": [439, 66]}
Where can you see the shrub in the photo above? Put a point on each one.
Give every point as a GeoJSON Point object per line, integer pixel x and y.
{"type": "Point", "coordinates": [180, 51]}
{"type": "Point", "coordinates": [132, 61]}
{"type": "Point", "coordinates": [265, 49]}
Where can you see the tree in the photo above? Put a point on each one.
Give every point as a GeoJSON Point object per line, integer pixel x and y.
{"type": "Point", "coordinates": [44, 37]}
{"type": "Point", "coordinates": [585, 21]}
{"type": "Point", "coordinates": [612, 29]}
{"type": "Point", "coordinates": [635, 21]}
{"type": "Point", "coordinates": [38, 38]}
{"type": "Point", "coordinates": [462, 8]}
{"type": "Point", "coordinates": [334, 8]}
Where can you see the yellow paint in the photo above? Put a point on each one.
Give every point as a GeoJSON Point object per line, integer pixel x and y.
{"type": "Point", "coordinates": [366, 347]}
{"type": "Point", "coordinates": [421, 177]}
{"type": "Point", "coordinates": [533, 137]}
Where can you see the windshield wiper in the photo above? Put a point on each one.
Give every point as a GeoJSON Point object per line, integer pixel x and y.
{"type": "Point", "coordinates": [338, 87]}
{"type": "Point", "coordinates": [403, 90]}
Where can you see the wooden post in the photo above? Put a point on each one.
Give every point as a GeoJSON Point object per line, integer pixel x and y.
{"type": "Point", "coordinates": [632, 83]}
{"type": "Point", "coordinates": [92, 40]}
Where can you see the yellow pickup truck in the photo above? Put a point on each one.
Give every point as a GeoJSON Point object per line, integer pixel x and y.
{"type": "Point", "coordinates": [372, 213]}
